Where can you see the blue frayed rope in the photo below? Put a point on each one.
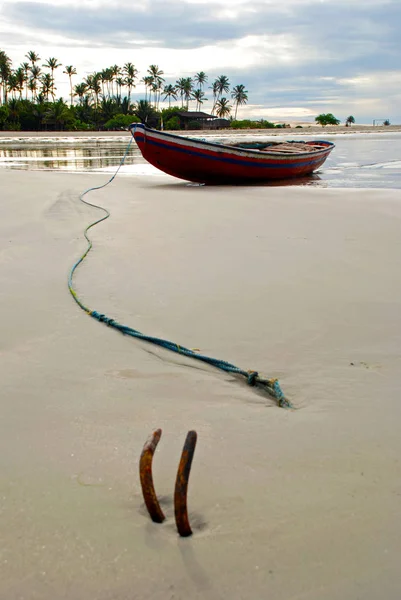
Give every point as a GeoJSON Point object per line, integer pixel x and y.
{"type": "Point", "coordinates": [271, 386]}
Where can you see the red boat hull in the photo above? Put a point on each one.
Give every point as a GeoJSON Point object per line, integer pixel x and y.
{"type": "Point", "coordinates": [206, 162]}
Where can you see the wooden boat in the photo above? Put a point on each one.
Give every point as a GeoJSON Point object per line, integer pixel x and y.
{"type": "Point", "coordinates": [213, 163]}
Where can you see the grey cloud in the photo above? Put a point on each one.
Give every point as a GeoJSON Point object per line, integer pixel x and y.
{"type": "Point", "coordinates": [339, 28]}
{"type": "Point", "coordinates": [174, 24]}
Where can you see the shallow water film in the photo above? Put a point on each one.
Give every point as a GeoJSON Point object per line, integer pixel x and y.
{"type": "Point", "coordinates": [358, 160]}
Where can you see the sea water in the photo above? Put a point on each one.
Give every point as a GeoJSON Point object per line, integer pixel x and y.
{"type": "Point", "coordinates": [360, 160]}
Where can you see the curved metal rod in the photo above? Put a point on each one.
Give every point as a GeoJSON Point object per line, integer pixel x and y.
{"type": "Point", "coordinates": [145, 474]}
{"type": "Point", "coordinates": [181, 485]}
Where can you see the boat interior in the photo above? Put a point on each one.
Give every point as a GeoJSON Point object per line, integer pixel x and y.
{"type": "Point", "coordinates": [294, 147]}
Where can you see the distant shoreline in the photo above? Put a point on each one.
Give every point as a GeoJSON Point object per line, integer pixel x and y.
{"type": "Point", "coordinates": [304, 130]}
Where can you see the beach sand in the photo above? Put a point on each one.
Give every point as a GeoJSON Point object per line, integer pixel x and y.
{"type": "Point", "coordinates": [298, 283]}
{"type": "Point", "coordinates": [305, 129]}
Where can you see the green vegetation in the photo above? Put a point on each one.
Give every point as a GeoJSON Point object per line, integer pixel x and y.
{"type": "Point", "coordinates": [4, 114]}
{"type": "Point", "coordinates": [349, 120]}
{"type": "Point", "coordinates": [248, 124]}
{"type": "Point", "coordinates": [121, 121]}
{"type": "Point", "coordinates": [102, 100]}
{"type": "Point", "coordinates": [193, 125]}
{"type": "Point", "coordinates": [327, 119]}
{"type": "Point", "coordinates": [172, 124]}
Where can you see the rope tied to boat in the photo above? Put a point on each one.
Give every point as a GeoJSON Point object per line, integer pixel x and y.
{"type": "Point", "coordinates": [271, 386]}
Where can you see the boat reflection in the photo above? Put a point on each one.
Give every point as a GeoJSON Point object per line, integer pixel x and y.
{"type": "Point", "coordinates": [312, 179]}
{"type": "Point", "coordinates": [307, 180]}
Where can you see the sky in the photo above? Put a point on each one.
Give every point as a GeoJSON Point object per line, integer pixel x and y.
{"type": "Point", "coordinates": [296, 58]}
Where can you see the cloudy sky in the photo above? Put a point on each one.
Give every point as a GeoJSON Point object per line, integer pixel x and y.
{"type": "Point", "coordinates": [296, 58]}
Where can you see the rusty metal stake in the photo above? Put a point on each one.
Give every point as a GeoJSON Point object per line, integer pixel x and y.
{"type": "Point", "coordinates": [145, 473]}
{"type": "Point", "coordinates": [181, 485]}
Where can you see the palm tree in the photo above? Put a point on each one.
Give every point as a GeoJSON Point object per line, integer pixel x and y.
{"type": "Point", "coordinates": [180, 87]}
{"type": "Point", "coordinates": [154, 88]}
{"type": "Point", "coordinates": [155, 72]}
{"type": "Point", "coordinates": [215, 91]}
{"type": "Point", "coordinates": [223, 85]}
{"type": "Point", "coordinates": [157, 81]}
{"type": "Point", "coordinates": [5, 72]}
{"type": "Point", "coordinates": [84, 110]}
{"type": "Point", "coordinates": [144, 111]}
{"type": "Point", "coordinates": [220, 85]}
{"type": "Point", "coordinates": [115, 71]}
{"type": "Point", "coordinates": [123, 106]}
{"type": "Point", "coordinates": [20, 80]}
{"type": "Point", "coordinates": [169, 92]}
{"type": "Point", "coordinates": [52, 64]}
{"type": "Point", "coordinates": [33, 87]}
{"type": "Point", "coordinates": [12, 84]}
{"type": "Point", "coordinates": [130, 70]}
{"type": "Point", "coordinates": [35, 77]}
{"type": "Point", "coordinates": [58, 114]}
{"type": "Point", "coordinates": [104, 79]}
{"type": "Point", "coordinates": [131, 73]}
{"type": "Point", "coordinates": [13, 110]}
{"type": "Point", "coordinates": [130, 83]}
{"type": "Point", "coordinates": [349, 121]}
{"type": "Point", "coordinates": [70, 71]}
{"type": "Point", "coordinates": [120, 83]}
{"type": "Point", "coordinates": [93, 85]}
{"type": "Point", "coordinates": [223, 108]}
{"type": "Point", "coordinates": [47, 85]}
{"type": "Point", "coordinates": [40, 98]}
{"type": "Point", "coordinates": [199, 96]}
{"type": "Point", "coordinates": [80, 91]}
{"type": "Point", "coordinates": [39, 110]}
{"type": "Point", "coordinates": [26, 67]}
{"type": "Point", "coordinates": [240, 96]}
{"type": "Point", "coordinates": [33, 57]}
{"type": "Point", "coordinates": [108, 108]}
{"type": "Point", "coordinates": [187, 89]}
{"type": "Point", "coordinates": [200, 78]}
{"type": "Point", "coordinates": [147, 80]}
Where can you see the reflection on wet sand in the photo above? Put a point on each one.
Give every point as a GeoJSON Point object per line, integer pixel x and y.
{"type": "Point", "coordinates": [313, 179]}
{"type": "Point", "coordinates": [71, 157]}
{"type": "Point", "coordinates": [359, 161]}
{"type": "Point", "coordinates": [93, 157]}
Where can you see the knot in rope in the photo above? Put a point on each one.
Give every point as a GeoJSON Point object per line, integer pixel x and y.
{"type": "Point", "coordinates": [252, 378]}
{"type": "Point", "coordinates": [102, 318]}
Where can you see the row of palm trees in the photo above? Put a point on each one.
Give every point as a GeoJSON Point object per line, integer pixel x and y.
{"type": "Point", "coordinates": [30, 81]}
{"type": "Point", "coordinates": [189, 89]}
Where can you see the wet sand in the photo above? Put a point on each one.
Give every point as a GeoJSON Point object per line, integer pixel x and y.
{"type": "Point", "coordinates": [299, 283]}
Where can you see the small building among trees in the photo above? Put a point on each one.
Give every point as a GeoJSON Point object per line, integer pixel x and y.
{"type": "Point", "coordinates": [200, 120]}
